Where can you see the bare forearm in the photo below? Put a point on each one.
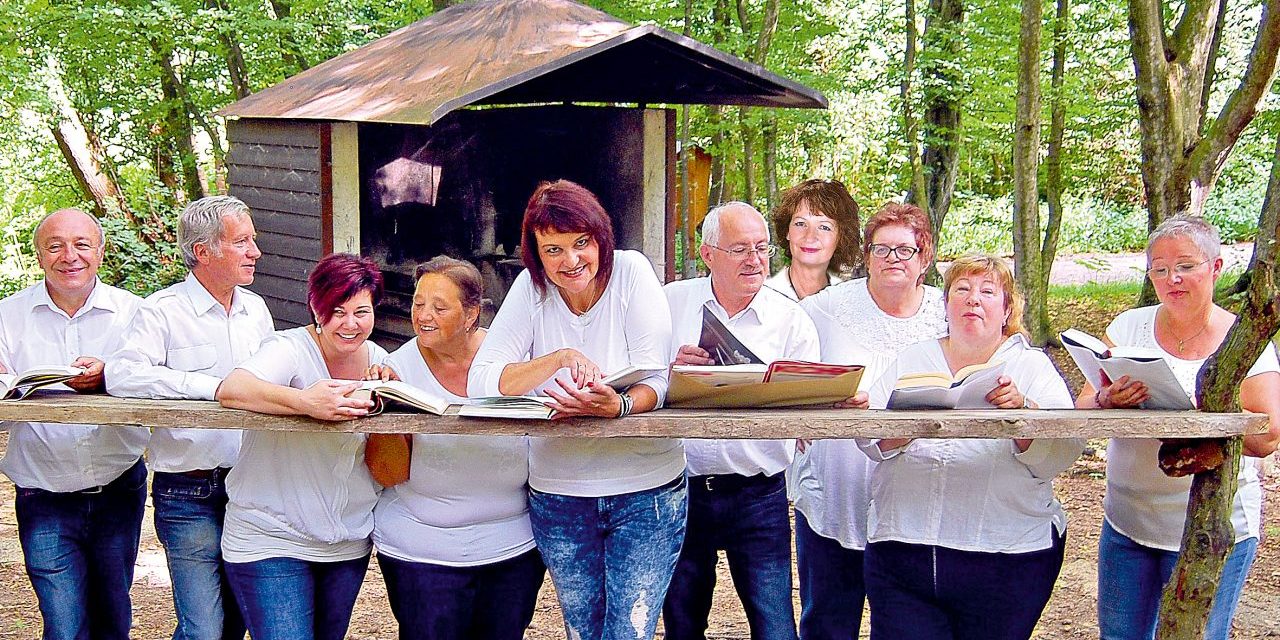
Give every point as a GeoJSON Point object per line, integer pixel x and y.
{"type": "Point", "coordinates": [243, 390]}
{"type": "Point", "coordinates": [519, 378]}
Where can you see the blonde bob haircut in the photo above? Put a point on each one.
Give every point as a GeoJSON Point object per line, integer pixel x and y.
{"type": "Point", "coordinates": [981, 265]}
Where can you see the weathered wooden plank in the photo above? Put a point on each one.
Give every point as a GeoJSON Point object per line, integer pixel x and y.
{"type": "Point", "coordinates": [270, 241]}
{"type": "Point", "coordinates": [289, 202]}
{"type": "Point", "coordinates": [288, 224]}
{"type": "Point", "coordinates": [666, 423]}
{"type": "Point", "coordinates": [285, 267]}
{"type": "Point", "coordinates": [256, 154]}
{"type": "Point", "coordinates": [271, 178]}
{"type": "Point", "coordinates": [284, 132]}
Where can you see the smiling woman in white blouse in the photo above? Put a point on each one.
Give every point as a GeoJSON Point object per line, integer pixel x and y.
{"type": "Point", "coordinates": [966, 537]}
{"type": "Point", "coordinates": [300, 508]}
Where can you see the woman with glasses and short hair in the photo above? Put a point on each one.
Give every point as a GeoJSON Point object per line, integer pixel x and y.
{"type": "Point", "coordinates": [819, 221]}
{"type": "Point", "coordinates": [864, 321]}
{"type": "Point", "coordinates": [1144, 509]}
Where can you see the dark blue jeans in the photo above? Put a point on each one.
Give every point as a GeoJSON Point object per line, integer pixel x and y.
{"type": "Point", "coordinates": [611, 557]}
{"type": "Point", "coordinates": [188, 512]}
{"type": "Point", "coordinates": [749, 519]}
{"type": "Point", "coordinates": [80, 548]}
{"type": "Point", "coordinates": [291, 599]}
{"type": "Point", "coordinates": [935, 593]}
{"type": "Point", "coordinates": [831, 588]}
{"type": "Point", "coordinates": [488, 602]}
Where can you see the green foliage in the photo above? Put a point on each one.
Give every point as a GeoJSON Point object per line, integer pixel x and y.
{"type": "Point", "coordinates": [131, 264]}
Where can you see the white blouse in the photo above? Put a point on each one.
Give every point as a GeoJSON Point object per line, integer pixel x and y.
{"type": "Point", "coordinates": [972, 494]}
{"type": "Point", "coordinates": [307, 496]}
{"type": "Point", "coordinates": [830, 482]}
{"type": "Point", "coordinates": [630, 325]}
{"type": "Point", "coordinates": [1141, 501]}
{"type": "Point", "coordinates": [466, 500]}
{"type": "Point", "coordinates": [781, 282]}
{"type": "Point", "coordinates": [774, 328]}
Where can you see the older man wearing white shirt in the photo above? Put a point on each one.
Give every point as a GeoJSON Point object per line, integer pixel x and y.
{"type": "Point", "coordinates": [183, 341]}
{"type": "Point", "coordinates": [80, 488]}
{"type": "Point", "coordinates": [737, 495]}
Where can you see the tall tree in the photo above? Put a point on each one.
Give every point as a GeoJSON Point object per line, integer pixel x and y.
{"type": "Point", "coordinates": [1031, 272]}
{"type": "Point", "coordinates": [943, 42]}
{"type": "Point", "coordinates": [916, 189]}
{"type": "Point", "coordinates": [1183, 149]}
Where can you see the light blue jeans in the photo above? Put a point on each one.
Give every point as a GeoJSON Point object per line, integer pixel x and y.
{"type": "Point", "coordinates": [611, 558]}
{"type": "Point", "coordinates": [1131, 578]}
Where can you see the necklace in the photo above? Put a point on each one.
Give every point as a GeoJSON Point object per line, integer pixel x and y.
{"type": "Point", "coordinates": [1182, 342]}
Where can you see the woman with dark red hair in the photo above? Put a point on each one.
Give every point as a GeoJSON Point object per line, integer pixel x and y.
{"type": "Point", "coordinates": [300, 509]}
{"type": "Point", "coordinates": [608, 514]}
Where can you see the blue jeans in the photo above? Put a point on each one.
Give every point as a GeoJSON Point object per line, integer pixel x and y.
{"type": "Point", "coordinates": [611, 557]}
{"type": "Point", "coordinates": [291, 599]}
{"type": "Point", "coordinates": [831, 588]}
{"type": "Point", "coordinates": [188, 514]}
{"type": "Point", "coordinates": [80, 548]}
{"type": "Point", "coordinates": [935, 593]}
{"type": "Point", "coordinates": [487, 602]}
{"type": "Point", "coordinates": [748, 517]}
{"type": "Point", "coordinates": [1131, 578]}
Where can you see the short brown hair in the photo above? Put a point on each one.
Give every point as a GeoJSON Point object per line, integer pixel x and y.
{"type": "Point", "coordinates": [462, 274]}
{"type": "Point", "coordinates": [565, 207]}
{"type": "Point", "coordinates": [994, 265]}
{"type": "Point", "coordinates": [894, 214]}
{"type": "Point", "coordinates": [831, 199]}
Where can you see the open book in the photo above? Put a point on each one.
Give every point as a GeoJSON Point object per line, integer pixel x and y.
{"type": "Point", "coordinates": [21, 385]}
{"type": "Point", "coordinates": [784, 383]}
{"type": "Point", "coordinates": [1143, 364]}
{"type": "Point", "coordinates": [967, 389]}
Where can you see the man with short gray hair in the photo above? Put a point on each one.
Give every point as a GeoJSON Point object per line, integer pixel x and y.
{"type": "Point", "coordinates": [184, 340]}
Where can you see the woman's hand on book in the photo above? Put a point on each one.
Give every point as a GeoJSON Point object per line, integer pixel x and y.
{"type": "Point", "coordinates": [1124, 393]}
{"type": "Point", "coordinates": [582, 368]}
{"type": "Point", "coordinates": [1006, 395]}
{"type": "Point", "coordinates": [597, 399]}
{"type": "Point", "coordinates": [380, 372]}
{"type": "Point", "coordinates": [331, 400]}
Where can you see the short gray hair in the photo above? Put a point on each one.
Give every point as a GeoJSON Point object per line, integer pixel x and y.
{"type": "Point", "coordinates": [1194, 228]}
{"type": "Point", "coordinates": [711, 223]}
{"type": "Point", "coordinates": [201, 223]}
{"type": "Point", "coordinates": [35, 234]}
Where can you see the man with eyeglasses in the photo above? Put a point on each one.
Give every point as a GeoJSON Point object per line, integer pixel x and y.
{"type": "Point", "coordinates": [80, 487]}
{"type": "Point", "coordinates": [737, 493]}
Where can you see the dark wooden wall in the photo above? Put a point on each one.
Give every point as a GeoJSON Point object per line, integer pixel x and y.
{"type": "Point", "coordinates": [275, 167]}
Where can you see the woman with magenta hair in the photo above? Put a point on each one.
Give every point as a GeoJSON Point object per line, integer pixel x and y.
{"type": "Point", "coordinates": [300, 508]}
{"type": "Point", "coordinates": [608, 514]}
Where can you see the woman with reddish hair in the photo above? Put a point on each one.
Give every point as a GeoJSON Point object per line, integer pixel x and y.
{"type": "Point", "coordinates": [608, 514]}
{"type": "Point", "coordinates": [300, 505]}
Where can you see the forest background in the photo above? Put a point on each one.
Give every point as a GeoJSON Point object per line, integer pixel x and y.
{"type": "Point", "coordinates": [107, 104]}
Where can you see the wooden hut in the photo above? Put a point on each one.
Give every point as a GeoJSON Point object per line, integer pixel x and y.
{"type": "Point", "coordinates": [413, 145]}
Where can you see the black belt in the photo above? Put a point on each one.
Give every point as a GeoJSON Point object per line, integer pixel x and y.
{"type": "Point", "coordinates": [732, 481]}
{"type": "Point", "coordinates": [202, 474]}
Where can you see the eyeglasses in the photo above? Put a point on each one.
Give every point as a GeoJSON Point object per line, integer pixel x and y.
{"type": "Point", "coordinates": [765, 251]}
{"type": "Point", "coordinates": [1180, 269]}
{"type": "Point", "coordinates": [902, 252]}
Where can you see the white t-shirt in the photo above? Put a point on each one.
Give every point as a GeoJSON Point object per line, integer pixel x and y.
{"type": "Point", "coordinates": [1142, 502]}
{"type": "Point", "coordinates": [629, 325]}
{"type": "Point", "coordinates": [35, 332]}
{"type": "Point", "coordinates": [830, 482]}
{"type": "Point", "coordinates": [466, 501]}
{"type": "Point", "coordinates": [774, 328]}
{"type": "Point", "coordinates": [181, 344]}
{"type": "Point", "coordinates": [972, 494]}
{"type": "Point", "coordinates": [781, 282]}
{"type": "Point", "coordinates": [298, 495]}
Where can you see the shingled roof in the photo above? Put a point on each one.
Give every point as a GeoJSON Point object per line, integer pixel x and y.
{"type": "Point", "coordinates": [502, 52]}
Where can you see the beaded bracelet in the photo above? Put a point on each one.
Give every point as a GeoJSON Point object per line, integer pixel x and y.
{"type": "Point", "coordinates": [624, 407]}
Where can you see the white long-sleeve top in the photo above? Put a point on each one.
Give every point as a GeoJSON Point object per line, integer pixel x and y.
{"type": "Point", "coordinates": [830, 482]}
{"type": "Point", "coordinates": [35, 332]}
{"type": "Point", "coordinates": [466, 501]}
{"type": "Point", "coordinates": [972, 494]}
{"type": "Point", "coordinates": [181, 344]}
{"type": "Point", "coordinates": [629, 325]}
{"type": "Point", "coordinates": [1141, 501]}
{"type": "Point", "coordinates": [773, 327]}
{"type": "Point", "coordinates": [298, 495]}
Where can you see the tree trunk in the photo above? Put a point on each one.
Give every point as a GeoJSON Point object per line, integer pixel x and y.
{"type": "Point", "coordinates": [1053, 161]}
{"type": "Point", "coordinates": [1208, 536]}
{"type": "Point", "coordinates": [231, 50]}
{"type": "Point", "coordinates": [942, 42]}
{"type": "Point", "coordinates": [177, 123]}
{"type": "Point", "coordinates": [1026, 164]}
{"type": "Point", "coordinates": [910, 125]}
{"type": "Point", "coordinates": [77, 144]}
{"type": "Point", "coordinates": [748, 158]}
{"type": "Point", "coordinates": [770, 135]}
{"type": "Point", "coordinates": [290, 51]}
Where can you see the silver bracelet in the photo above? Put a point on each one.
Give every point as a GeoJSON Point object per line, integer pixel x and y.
{"type": "Point", "coordinates": [625, 403]}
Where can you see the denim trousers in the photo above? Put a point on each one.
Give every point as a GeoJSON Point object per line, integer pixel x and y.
{"type": "Point", "coordinates": [832, 591]}
{"type": "Point", "coordinates": [188, 515]}
{"type": "Point", "coordinates": [80, 548]}
{"type": "Point", "coordinates": [487, 602]}
{"type": "Point", "coordinates": [929, 592]}
{"type": "Point", "coordinates": [749, 519]}
{"type": "Point", "coordinates": [1131, 578]}
{"type": "Point", "coordinates": [291, 599]}
{"type": "Point", "coordinates": [611, 557]}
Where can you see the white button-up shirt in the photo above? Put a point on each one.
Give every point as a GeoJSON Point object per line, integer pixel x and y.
{"type": "Point", "coordinates": [35, 332]}
{"type": "Point", "coordinates": [182, 342]}
{"type": "Point", "coordinates": [972, 494]}
{"type": "Point", "coordinates": [298, 495]}
{"type": "Point", "coordinates": [773, 327]}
